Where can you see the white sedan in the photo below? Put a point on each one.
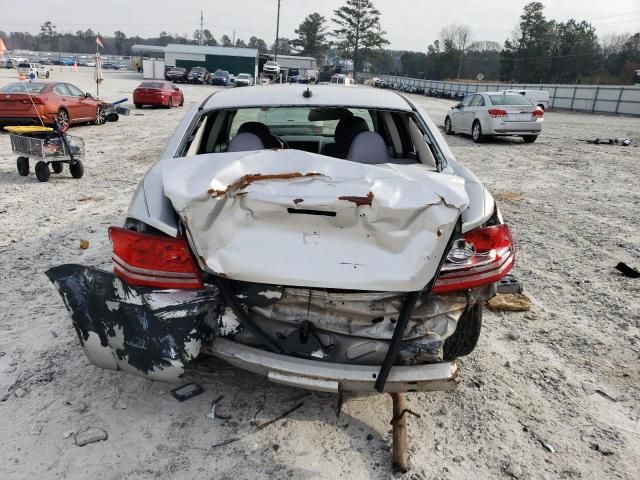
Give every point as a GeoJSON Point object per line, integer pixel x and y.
{"type": "Point", "coordinates": [244, 80]}
{"type": "Point", "coordinates": [495, 113]}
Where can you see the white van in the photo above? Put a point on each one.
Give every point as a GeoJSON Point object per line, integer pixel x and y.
{"type": "Point", "coordinates": [537, 97]}
{"type": "Point", "coordinates": [341, 79]}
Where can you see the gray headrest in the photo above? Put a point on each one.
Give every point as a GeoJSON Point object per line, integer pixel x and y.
{"type": "Point", "coordinates": [245, 142]}
{"type": "Point", "coordinates": [369, 148]}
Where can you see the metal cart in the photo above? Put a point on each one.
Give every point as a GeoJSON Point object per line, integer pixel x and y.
{"type": "Point", "coordinates": [48, 147]}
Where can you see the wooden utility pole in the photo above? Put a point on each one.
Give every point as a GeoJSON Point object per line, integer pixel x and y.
{"type": "Point", "coordinates": [400, 447]}
{"type": "Point", "coordinates": [275, 47]}
{"type": "Point", "coordinates": [201, 40]}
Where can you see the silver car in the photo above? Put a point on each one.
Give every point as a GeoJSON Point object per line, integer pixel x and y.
{"type": "Point", "coordinates": [323, 237]}
{"type": "Point", "coordinates": [244, 80]}
{"type": "Point", "coordinates": [495, 113]}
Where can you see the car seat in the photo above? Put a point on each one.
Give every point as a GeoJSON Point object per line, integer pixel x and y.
{"type": "Point", "coordinates": [368, 148]}
{"type": "Point", "coordinates": [346, 130]}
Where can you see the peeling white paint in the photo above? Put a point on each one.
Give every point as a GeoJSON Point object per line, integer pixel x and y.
{"type": "Point", "coordinates": [271, 294]}
{"type": "Point", "coordinates": [248, 233]}
{"type": "Point", "coordinates": [229, 323]}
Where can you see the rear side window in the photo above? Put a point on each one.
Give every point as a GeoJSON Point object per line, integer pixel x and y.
{"type": "Point", "coordinates": [61, 89]}
{"type": "Point", "coordinates": [75, 91]}
{"type": "Point", "coordinates": [478, 101]}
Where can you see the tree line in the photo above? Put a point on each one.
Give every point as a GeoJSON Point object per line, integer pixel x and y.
{"type": "Point", "coordinates": [540, 50]}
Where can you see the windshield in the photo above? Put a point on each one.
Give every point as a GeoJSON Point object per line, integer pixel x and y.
{"type": "Point", "coordinates": [219, 74]}
{"type": "Point", "coordinates": [23, 87]}
{"type": "Point", "coordinates": [509, 100]}
{"type": "Point", "coordinates": [271, 63]}
{"type": "Point", "coordinates": [292, 121]}
{"type": "Point", "coordinates": [177, 70]}
{"type": "Point", "coordinates": [197, 70]}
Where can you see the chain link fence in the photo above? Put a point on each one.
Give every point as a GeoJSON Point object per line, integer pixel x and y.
{"type": "Point", "coordinates": [616, 99]}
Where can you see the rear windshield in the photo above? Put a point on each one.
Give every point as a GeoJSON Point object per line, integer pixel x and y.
{"type": "Point", "coordinates": [24, 65]}
{"type": "Point", "coordinates": [219, 74]}
{"type": "Point", "coordinates": [152, 85]}
{"type": "Point", "coordinates": [244, 75]}
{"type": "Point", "coordinates": [509, 100]}
{"type": "Point", "coordinates": [198, 69]}
{"type": "Point", "coordinates": [23, 87]}
{"type": "Point", "coordinates": [178, 70]}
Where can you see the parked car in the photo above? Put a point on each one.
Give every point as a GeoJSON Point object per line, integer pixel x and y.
{"type": "Point", "coordinates": [110, 66]}
{"type": "Point", "coordinates": [177, 74]}
{"type": "Point", "coordinates": [158, 93]}
{"type": "Point", "coordinates": [493, 114]}
{"type": "Point", "coordinates": [24, 68]}
{"type": "Point", "coordinates": [199, 75]}
{"type": "Point", "coordinates": [271, 68]}
{"type": "Point", "coordinates": [537, 97]}
{"type": "Point", "coordinates": [43, 72]}
{"type": "Point", "coordinates": [91, 64]}
{"type": "Point", "coordinates": [220, 77]}
{"type": "Point", "coordinates": [363, 267]}
{"type": "Point", "coordinates": [244, 80]}
{"type": "Point", "coordinates": [50, 101]}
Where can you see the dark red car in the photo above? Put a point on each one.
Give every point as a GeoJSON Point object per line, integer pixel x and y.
{"type": "Point", "coordinates": [21, 103]}
{"type": "Point", "coordinates": [158, 92]}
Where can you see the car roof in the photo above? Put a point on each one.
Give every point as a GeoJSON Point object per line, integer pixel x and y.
{"type": "Point", "coordinates": [322, 96]}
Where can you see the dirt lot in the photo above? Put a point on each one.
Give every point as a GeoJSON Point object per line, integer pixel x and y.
{"type": "Point", "coordinates": [551, 393]}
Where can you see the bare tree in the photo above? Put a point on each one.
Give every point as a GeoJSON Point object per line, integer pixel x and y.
{"type": "Point", "coordinates": [460, 37]}
{"type": "Point", "coordinates": [614, 42]}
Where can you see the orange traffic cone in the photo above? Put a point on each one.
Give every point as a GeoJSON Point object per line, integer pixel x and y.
{"type": "Point", "coordinates": [75, 66]}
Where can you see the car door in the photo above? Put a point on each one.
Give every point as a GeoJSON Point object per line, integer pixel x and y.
{"type": "Point", "coordinates": [175, 93]}
{"type": "Point", "coordinates": [462, 115]}
{"type": "Point", "coordinates": [66, 101]}
{"type": "Point", "coordinates": [476, 110]}
{"type": "Point", "coordinates": [87, 107]}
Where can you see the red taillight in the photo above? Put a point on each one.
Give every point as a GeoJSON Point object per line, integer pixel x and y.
{"type": "Point", "coordinates": [497, 113]}
{"type": "Point", "coordinates": [151, 260]}
{"type": "Point", "coordinates": [538, 112]}
{"type": "Point", "coordinates": [481, 256]}
{"type": "Point", "coordinates": [35, 100]}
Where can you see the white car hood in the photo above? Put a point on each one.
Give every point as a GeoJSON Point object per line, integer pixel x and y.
{"type": "Point", "coordinates": [389, 226]}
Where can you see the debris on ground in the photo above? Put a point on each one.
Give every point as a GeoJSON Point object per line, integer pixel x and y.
{"type": "Point", "coordinates": [627, 270]}
{"type": "Point", "coordinates": [510, 302]}
{"type": "Point", "coordinates": [622, 141]}
{"type": "Point", "coordinates": [90, 435]}
{"type": "Point", "coordinates": [185, 392]}
{"type": "Point", "coordinates": [508, 196]}
{"type": "Point", "coordinates": [213, 415]}
{"type": "Point", "coordinates": [280, 417]}
{"type": "Point", "coordinates": [84, 244]}
{"type": "Point", "coordinates": [509, 284]}
{"type": "Point", "coordinates": [513, 470]}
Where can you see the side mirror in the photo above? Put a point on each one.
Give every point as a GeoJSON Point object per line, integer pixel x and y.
{"type": "Point", "coordinates": [87, 95]}
{"type": "Point", "coordinates": [176, 89]}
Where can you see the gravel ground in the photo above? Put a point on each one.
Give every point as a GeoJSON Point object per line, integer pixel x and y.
{"type": "Point", "coordinates": [550, 393]}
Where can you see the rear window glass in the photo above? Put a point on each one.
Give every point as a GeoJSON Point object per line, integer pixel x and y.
{"type": "Point", "coordinates": [24, 65]}
{"type": "Point", "coordinates": [23, 87]}
{"type": "Point", "coordinates": [219, 74]}
{"type": "Point", "coordinates": [509, 100]}
{"type": "Point", "coordinates": [152, 85]}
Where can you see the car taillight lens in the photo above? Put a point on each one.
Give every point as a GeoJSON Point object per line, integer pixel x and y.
{"type": "Point", "coordinates": [35, 100]}
{"type": "Point", "coordinates": [483, 255]}
{"type": "Point", "coordinates": [150, 260]}
{"type": "Point", "coordinates": [496, 113]}
{"type": "Point", "coordinates": [538, 112]}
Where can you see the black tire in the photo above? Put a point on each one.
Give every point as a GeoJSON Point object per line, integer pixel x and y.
{"type": "Point", "coordinates": [42, 171]}
{"type": "Point", "coordinates": [23, 166]}
{"type": "Point", "coordinates": [181, 101]}
{"type": "Point", "coordinates": [138, 106]}
{"type": "Point", "coordinates": [56, 167]}
{"type": "Point", "coordinates": [63, 117]}
{"type": "Point", "coordinates": [170, 103]}
{"type": "Point", "coordinates": [76, 169]}
{"type": "Point", "coordinates": [476, 132]}
{"type": "Point", "coordinates": [465, 338]}
{"type": "Point", "coordinates": [447, 126]}
{"type": "Point", "coordinates": [529, 138]}
{"type": "Point", "coordinates": [101, 116]}
{"type": "Point", "coordinates": [47, 75]}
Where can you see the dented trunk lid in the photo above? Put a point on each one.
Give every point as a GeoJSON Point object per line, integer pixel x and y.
{"type": "Point", "coordinates": [290, 217]}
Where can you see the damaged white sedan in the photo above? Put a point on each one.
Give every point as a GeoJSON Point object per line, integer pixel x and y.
{"type": "Point", "coordinates": [325, 238]}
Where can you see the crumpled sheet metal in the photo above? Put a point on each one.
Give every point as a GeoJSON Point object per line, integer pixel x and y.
{"type": "Point", "coordinates": [387, 233]}
{"type": "Point", "coordinates": [146, 332]}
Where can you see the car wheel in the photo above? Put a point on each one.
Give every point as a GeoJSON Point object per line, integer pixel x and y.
{"type": "Point", "coordinates": [56, 167]}
{"type": "Point", "coordinates": [42, 171]}
{"type": "Point", "coordinates": [476, 132]}
{"type": "Point", "coordinates": [138, 106]}
{"type": "Point", "coordinates": [181, 101]}
{"type": "Point", "coordinates": [23, 166]}
{"type": "Point", "coordinates": [47, 76]}
{"type": "Point", "coordinates": [76, 169]}
{"type": "Point", "coordinates": [465, 338]}
{"type": "Point", "coordinates": [447, 126]}
{"type": "Point", "coordinates": [101, 116]}
{"type": "Point", "coordinates": [170, 102]}
{"type": "Point", "coordinates": [541, 106]}
{"type": "Point", "coordinates": [529, 138]}
{"type": "Point", "coordinates": [63, 117]}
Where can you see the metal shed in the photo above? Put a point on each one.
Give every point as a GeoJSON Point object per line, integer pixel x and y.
{"type": "Point", "coordinates": [234, 60]}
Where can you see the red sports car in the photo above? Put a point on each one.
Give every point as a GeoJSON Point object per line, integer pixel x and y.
{"type": "Point", "coordinates": [158, 92]}
{"type": "Point", "coordinates": [21, 103]}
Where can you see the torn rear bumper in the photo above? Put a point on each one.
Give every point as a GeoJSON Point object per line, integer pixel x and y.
{"type": "Point", "coordinates": [143, 331]}
{"type": "Point", "coordinates": [334, 377]}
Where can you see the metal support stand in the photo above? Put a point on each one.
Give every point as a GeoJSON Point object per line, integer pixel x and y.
{"type": "Point", "coordinates": [400, 452]}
